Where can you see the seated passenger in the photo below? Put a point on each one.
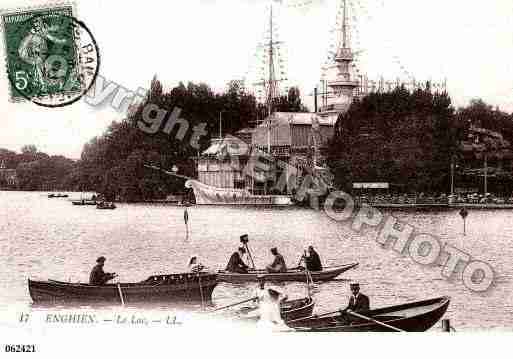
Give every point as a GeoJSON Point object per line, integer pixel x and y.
{"type": "Point", "coordinates": [313, 261]}
{"type": "Point", "coordinates": [236, 264]}
{"type": "Point", "coordinates": [278, 265]}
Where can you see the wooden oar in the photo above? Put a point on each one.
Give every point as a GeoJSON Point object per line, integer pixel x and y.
{"type": "Point", "coordinates": [233, 305]}
{"type": "Point", "coordinates": [121, 295]}
{"type": "Point", "coordinates": [358, 315]}
{"type": "Point", "coordinates": [300, 260]}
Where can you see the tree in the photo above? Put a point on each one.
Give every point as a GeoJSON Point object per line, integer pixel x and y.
{"type": "Point", "coordinates": [291, 102]}
{"type": "Point", "coordinates": [112, 163]}
{"type": "Point", "coordinates": [29, 149]}
{"type": "Point", "coordinates": [399, 137]}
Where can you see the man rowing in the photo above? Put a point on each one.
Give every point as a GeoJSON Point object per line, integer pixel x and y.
{"type": "Point", "coordinates": [236, 264]}
{"type": "Point", "coordinates": [98, 276]}
{"type": "Point", "coordinates": [278, 265]}
{"type": "Point", "coordinates": [313, 260]}
{"type": "Point", "coordinates": [358, 302]}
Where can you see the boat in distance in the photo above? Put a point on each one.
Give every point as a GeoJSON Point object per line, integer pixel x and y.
{"type": "Point", "coordinates": [58, 195]}
{"type": "Point", "coordinates": [84, 202]}
{"type": "Point", "coordinates": [411, 317]}
{"type": "Point", "coordinates": [210, 195]}
{"type": "Point", "coordinates": [105, 205]}
{"type": "Point", "coordinates": [182, 287]}
{"type": "Point", "coordinates": [292, 275]}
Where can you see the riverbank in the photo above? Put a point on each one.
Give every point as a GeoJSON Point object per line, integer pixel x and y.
{"type": "Point", "coordinates": [484, 206]}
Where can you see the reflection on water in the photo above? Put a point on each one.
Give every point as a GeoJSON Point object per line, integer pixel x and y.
{"type": "Point", "coordinates": [45, 238]}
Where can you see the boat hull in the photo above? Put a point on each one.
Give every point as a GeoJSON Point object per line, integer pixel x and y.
{"type": "Point", "coordinates": [163, 288]}
{"type": "Point", "coordinates": [105, 207]}
{"type": "Point", "coordinates": [210, 195]}
{"type": "Point", "coordinates": [296, 309]}
{"type": "Point", "coordinates": [417, 317]}
{"type": "Point", "coordinates": [291, 276]}
{"type": "Point", "coordinates": [290, 310]}
{"type": "Point", "coordinates": [84, 203]}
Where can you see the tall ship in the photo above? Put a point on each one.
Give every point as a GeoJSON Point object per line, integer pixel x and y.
{"type": "Point", "coordinates": [263, 165]}
{"type": "Point", "coordinates": [292, 144]}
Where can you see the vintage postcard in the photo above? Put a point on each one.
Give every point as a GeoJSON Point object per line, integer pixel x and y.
{"type": "Point", "coordinates": [279, 173]}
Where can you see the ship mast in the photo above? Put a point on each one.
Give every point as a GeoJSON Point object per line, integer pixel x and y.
{"type": "Point", "coordinates": [269, 80]}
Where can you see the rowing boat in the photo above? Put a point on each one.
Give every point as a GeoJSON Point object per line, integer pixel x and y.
{"type": "Point", "coordinates": [292, 275]}
{"type": "Point", "coordinates": [290, 310]}
{"type": "Point", "coordinates": [58, 195]}
{"type": "Point", "coordinates": [84, 202]}
{"type": "Point", "coordinates": [410, 317]}
{"type": "Point", "coordinates": [157, 288]}
{"type": "Point", "coordinates": [106, 205]}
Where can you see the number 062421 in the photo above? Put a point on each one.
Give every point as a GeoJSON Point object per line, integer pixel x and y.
{"type": "Point", "coordinates": [17, 348]}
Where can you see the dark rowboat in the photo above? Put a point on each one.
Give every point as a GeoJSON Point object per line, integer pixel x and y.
{"type": "Point", "coordinates": [410, 317]}
{"type": "Point", "coordinates": [84, 202]}
{"type": "Point", "coordinates": [157, 288]}
{"type": "Point", "coordinates": [58, 195]}
{"type": "Point", "coordinates": [106, 205]}
{"type": "Point", "coordinates": [298, 308]}
{"type": "Point", "coordinates": [292, 275]}
{"type": "Point", "coordinates": [290, 310]}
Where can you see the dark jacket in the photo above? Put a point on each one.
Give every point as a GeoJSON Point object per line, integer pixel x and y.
{"type": "Point", "coordinates": [313, 262]}
{"type": "Point", "coordinates": [360, 305]}
{"type": "Point", "coordinates": [236, 264]}
{"type": "Point", "coordinates": [278, 265]}
{"type": "Point", "coordinates": [98, 276]}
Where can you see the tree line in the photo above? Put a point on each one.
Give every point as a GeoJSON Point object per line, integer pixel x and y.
{"type": "Point", "coordinates": [407, 139]}
{"type": "Point", "coordinates": [37, 170]}
{"type": "Point", "coordinates": [113, 163]}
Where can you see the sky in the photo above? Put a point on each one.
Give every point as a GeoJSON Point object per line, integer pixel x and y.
{"type": "Point", "coordinates": [468, 42]}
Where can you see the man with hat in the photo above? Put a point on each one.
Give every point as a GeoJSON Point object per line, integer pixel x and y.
{"type": "Point", "coordinates": [98, 276]}
{"type": "Point", "coordinates": [278, 265]}
{"type": "Point", "coordinates": [236, 264]}
{"type": "Point", "coordinates": [358, 302]}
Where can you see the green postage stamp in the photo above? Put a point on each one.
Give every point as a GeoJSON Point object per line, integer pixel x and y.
{"type": "Point", "coordinates": [52, 58]}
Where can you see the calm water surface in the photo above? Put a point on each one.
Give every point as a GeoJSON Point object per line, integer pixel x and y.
{"type": "Point", "coordinates": [45, 238]}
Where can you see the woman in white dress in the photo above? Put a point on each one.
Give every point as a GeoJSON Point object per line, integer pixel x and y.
{"type": "Point", "coordinates": [269, 308]}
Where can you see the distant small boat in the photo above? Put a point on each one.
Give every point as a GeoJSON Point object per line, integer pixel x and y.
{"type": "Point", "coordinates": [292, 275]}
{"type": "Point", "coordinates": [84, 202]}
{"type": "Point", "coordinates": [57, 195]}
{"type": "Point", "coordinates": [157, 288]}
{"type": "Point", "coordinates": [105, 205]}
{"type": "Point", "coordinates": [410, 317]}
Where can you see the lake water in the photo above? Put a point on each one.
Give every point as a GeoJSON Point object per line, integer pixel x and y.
{"type": "Point", "coordinates": [45, 238]}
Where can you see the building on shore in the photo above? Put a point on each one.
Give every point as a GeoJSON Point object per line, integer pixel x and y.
{"type": "Point", "coordinates": [8, 176]}
{"type": "Point", "coordinates": [487, 162]}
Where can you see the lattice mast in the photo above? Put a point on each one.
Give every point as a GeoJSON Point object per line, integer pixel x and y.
{"type": "Point", "coordinates": [342, 84]}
